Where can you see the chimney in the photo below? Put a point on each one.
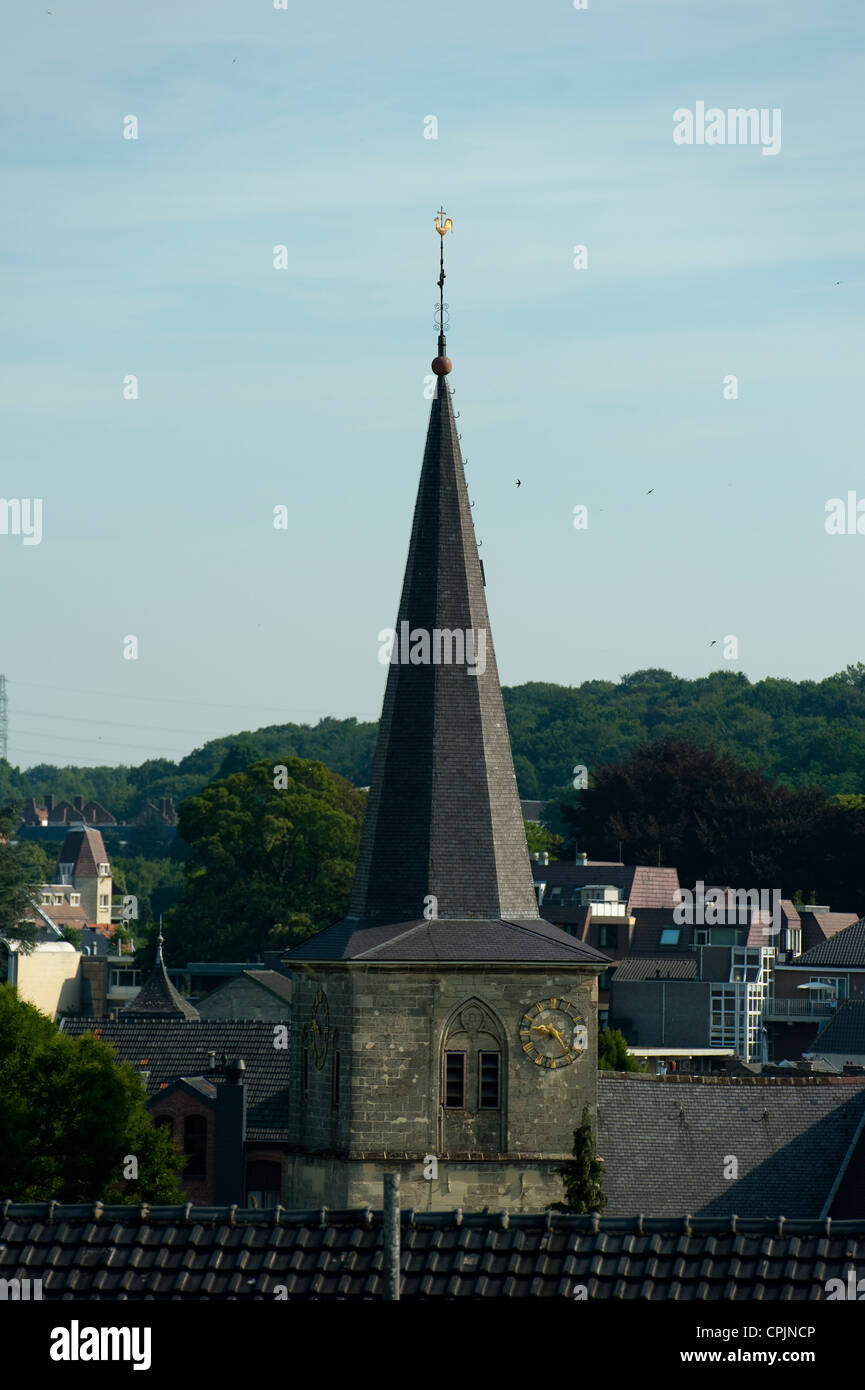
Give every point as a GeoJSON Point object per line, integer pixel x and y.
{"type": "Point", "coordinates": [230, 1163]}
{"type": "Point", "coordinates": [49, 803]}
{"type": "Point", "coordinates": [78, 803]}
{"type": "Point", "coordinates": [535, 856]}
{"type": "Point", "coordinates": [582, 858]}
{"type": "Point", "coordinates": [545, 858]}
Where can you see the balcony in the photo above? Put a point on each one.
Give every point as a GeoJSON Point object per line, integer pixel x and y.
{"type": "Point", "coordinates": [792, 1009]}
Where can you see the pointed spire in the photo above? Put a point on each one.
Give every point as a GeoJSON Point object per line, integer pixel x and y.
{"type": "Point", "coordinates": [158, 998]}
{"type": "Point", "coordinates": [443, 871]}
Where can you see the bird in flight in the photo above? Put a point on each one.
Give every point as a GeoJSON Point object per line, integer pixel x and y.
{"type": "Point", "coordinates": [651, 489]}
{"type": "Point", "coordinates": [714, 644]}
{"type": "Point", "coordinates": [518, 482]}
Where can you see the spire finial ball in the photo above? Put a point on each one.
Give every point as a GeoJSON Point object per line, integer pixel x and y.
{"type": "Point", "coordinates": [441, 365]}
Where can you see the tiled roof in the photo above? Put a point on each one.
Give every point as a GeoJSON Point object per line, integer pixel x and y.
{"type": "Point", "coordinates": [670, 1137]}
{"type": "Point", "coordinates": [443, 940]}
{"type": "Point", "coordinates": [177, 1048]}
{"type": "Point", "coordinates": [642, 885]}
{"type": "Point", "coordinates": [649, 923]}
{"type": "Point", "coordinates": [818, 927]}
{"type": "Point", "coordinates": [280, 985]}
{"type": "Point", "coordinates": [674, 966]}
{"type": "Point", "coordinates": [845, 947]}
{"type": "Point", "coordinates": [843, 1034]}
{"type": "Point", "coordinates": [84, 849]}
{"type": "Point", "coordinates": [194, 1253]}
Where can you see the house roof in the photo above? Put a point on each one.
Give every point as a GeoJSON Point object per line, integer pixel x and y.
{"type": "Point", "coordinates": [443, 941]}
{"type": "Point", "coordinates": [178, 1048]}
{"type": "Point", "coordinates": [192, 1253]}
{"type": "Point", "coordinates": [642, 885]}
{"type": "Point", "coordinates": [844, 948]}
{"type": "Point", "coordinates": [821, 926]}
{"type": "Point", "coordinates": [83, 848]}
{"type": "Point", "coordinates": [280, 985]}
{"type": "Point", "coordinates": [668, 1136]}
{"type": "Point", "coordinates": [675, 966]}
{"type": "Point", "coordinates": [844, 1034]}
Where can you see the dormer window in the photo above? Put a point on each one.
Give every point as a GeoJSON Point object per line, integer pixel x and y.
{"type": "Point", "coordinates": [103, 869]}
{"type": "Point", "coordinates": [670, 936]}
{"type": "Point", "coordinates": [74, 899]}
{"type": "Point", "coordinates": [65, 872]}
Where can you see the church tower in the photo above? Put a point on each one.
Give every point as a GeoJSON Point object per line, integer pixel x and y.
{"type": "Point", "coordinates": [443, 1028]}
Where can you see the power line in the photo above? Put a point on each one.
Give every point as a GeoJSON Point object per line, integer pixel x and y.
{"type": "Point", "coordinates": [151, 699]}
{"type": "Point", "coordinates": [119, 724]}
{"type": "Point", "coordinates": [106, 742]}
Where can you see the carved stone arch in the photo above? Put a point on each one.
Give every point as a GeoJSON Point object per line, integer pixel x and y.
{"type": "Point", "coordinates": [472, 1079]}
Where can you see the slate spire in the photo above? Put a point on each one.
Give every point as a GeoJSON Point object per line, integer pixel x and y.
{"type": "Point", "coordinates": [158, 998]}
{"type": "Point", "coordinates": [444, 820]}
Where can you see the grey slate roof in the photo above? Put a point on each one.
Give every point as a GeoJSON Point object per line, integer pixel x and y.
{"type": "Point", "coordinates": [845, 1033]}
{"type": "Point", "coordinates": [846, 947]}
{"type": "Point", "coordinates": [446, 941]}
{"type": "Point", "coordinates": [443, 816]}
{"type": "Point", "coordinates": [158, 998]}
{"type": "Point", "coordinates": [664, 1141]}
{"type": "Point", "coordinates": [194, 1253]}
{"type": "Point", "coordinates": [175, 1048]}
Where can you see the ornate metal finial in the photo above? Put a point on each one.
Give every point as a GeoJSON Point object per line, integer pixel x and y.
{"type": "Point", "coordinates": [442, 364]}
{"type": "Point", "coordinates": [159, 941]}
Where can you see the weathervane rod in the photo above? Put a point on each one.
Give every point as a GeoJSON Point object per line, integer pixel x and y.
{"type": "Point", "coordinates": [443, 225]}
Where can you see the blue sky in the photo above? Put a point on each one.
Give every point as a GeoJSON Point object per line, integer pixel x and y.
{"type": "Point", "coordinates": [305, 387]}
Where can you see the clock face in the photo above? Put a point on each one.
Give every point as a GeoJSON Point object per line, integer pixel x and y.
{"type": "Point", "coordinates": [553, 1033]}
{"type": "Point", "coordinates": [320, 1028]}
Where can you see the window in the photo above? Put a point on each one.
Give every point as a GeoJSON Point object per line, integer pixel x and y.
{"type": "Point", "coordinates": [46, 898]}
{"type": "Point", "coordinates": [263, 1183]}
{"type": "Point", "coordinates": [554, 897]}
{"type": "Point", "coordinates": [103, 869]}
{"type": "Point", "coordinates": [195, 1146]}
{"type": "Point", "coordinates": [608, 936]}
{"type": "Point", "coordinates": [455, 1080]}
{"type": "Point", "coordinates": [701, 937]}
{"type": "Point", "coordinates": [605, 978]}
{"type": "Point", "coordinates": [126, 979]}
{"type": "Point", "coordinates": [670, 936]}
{"type": "Point", "coordinates": [334, 1082]}
{"type": "Point", "coordinates": [74, 899]}
{"type": "Point", "coordinates": [104, 900]}
{"type": "Point", "coordinates": [489, 1085]}
{"type": "Point", "coordinates": [65, 872]}
{"type": "Point", "coordinates": [58, 899]}
{"type": "Point", "coordinates": [304, 1073]}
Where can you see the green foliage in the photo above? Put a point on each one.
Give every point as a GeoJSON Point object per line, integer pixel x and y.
{"type": "Point", "coordinates": [613, 1052]}
{"type": "Point", "coordinates": [70, 1114]}
{"type": "Point", "coordinates": [19, 879]}
{"type": "Point", "coordinates": [718, 821]}
{"type": "Point", "coordinates": [267, 866]}
{"type": "Point", "coordinates": [582, 1175]}
{"type": "Point", "coordinates": [539, 839]}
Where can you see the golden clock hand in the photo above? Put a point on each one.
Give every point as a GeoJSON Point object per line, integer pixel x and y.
{"type": "Point", "coordinates": [558, 1037]}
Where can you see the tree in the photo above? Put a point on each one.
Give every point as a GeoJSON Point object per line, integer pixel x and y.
{"type": "Point", "coordinates": [268, 864]}
{"type": "Point", "coordinates": [613, 1054]}
{"type": "Point", "coordinates": [19, 883]}
{"type": "Point", "coordinates": [539, 839]}
{"type": "Point", "coordinates": [71, 1116]}
{"type": "Point", "coordinates": [582, 1174]}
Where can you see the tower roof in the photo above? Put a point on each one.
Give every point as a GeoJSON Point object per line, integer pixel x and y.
{"type": "Point", "coordinates": [443, 836]}
{"type": "Point", "coordinates": [158, 998]}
